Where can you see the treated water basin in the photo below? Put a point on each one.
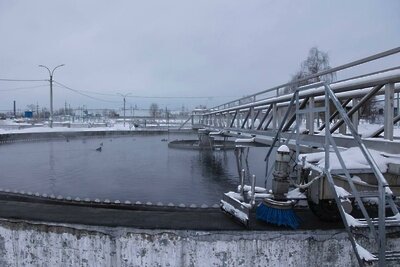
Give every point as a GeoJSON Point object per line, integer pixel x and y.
{"type": "Point", "coordinates": [139, 167]}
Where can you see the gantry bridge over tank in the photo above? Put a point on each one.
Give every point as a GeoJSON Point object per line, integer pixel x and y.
{"type": "Point", "coordinates": [335, 164]}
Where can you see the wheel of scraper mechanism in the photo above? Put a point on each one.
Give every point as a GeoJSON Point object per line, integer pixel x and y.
{"type": "Point", "coordinates": [325, 210]}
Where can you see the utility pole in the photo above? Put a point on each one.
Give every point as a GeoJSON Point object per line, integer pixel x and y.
{"type": "Point", "coordinates": [124, 97]}
{"type": "Point", "coordinates": [51, 91]}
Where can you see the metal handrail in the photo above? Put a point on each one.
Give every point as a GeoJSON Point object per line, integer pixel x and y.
{"type": "Point", "coordinates": [392, 76]}
{"type": "Point", "coordinates": [338, 68]}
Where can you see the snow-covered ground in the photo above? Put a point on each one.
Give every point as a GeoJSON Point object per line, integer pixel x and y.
{"type": "Point", "coordinates": [12, 126]}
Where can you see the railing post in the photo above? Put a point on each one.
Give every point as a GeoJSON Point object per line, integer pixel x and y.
{"type": "Point", "coordinates": [343, 128]}
{"type": "Point", "coordinates": [250, 124]}
{"type": "Point", "coordinates": [398, 106]}
{"type": "Point", "coordinates": [327, 129]}
{"type": "Point", "coordinates": [228, 119]}
{"type": "Point", "coordinates": [274, 116]}
{"type": "Point", "coordinates": [310, 118]}
{"type": "Point", "coordinates": [354, 117]}
{"type": "Point", "coordinates": [389, 108]}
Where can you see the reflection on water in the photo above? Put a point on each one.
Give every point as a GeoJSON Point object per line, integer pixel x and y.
{"type": "Point", "coordinates": [213, 163]}
{"type": "Point", "coordinates": [52, 172]}
{"type": "Point", "coordinates": [137, 169]}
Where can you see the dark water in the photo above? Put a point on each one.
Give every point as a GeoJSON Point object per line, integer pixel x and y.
{"type": "Point", "coordinates": [139, 168]}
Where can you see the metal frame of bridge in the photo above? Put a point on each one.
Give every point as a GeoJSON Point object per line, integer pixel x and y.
{"type": "Point", "coordinates": [274, 119]}
{"type": "Point", "coordinates": [259, 115]}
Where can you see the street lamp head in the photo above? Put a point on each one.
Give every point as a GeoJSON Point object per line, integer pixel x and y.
{"type": "Point", "coordinates": [124, 95]}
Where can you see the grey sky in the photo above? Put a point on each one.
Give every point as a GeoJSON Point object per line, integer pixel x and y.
{"type": "Point", "coordinates": [224, 49]}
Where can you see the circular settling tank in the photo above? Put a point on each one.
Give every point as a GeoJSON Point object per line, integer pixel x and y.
{"type": "Point", "coordinates": [138, 167]}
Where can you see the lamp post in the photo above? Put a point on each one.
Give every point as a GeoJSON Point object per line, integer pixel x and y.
{"type": "Point", "coordinates": [124, 97]}
{"type": "Point", "coordinates": [51, 90]}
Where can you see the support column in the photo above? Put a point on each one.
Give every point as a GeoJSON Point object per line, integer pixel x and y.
{"type": "Point", "coordinates": [389, 110]}
{"type": "Point", "coordinates": [398, 107]}
{"type": "Point", "coordinates": [274, 116]}
{"type": "Point", "coordinates": [310, 117]}
{"type": "Point", "coordinates": [355, 117]}
{"type": "Point", "coordinates": [228, 118]}
{"type": "Point", "coordinates": [342, 129]}
{"type": "Point", "coordinates": [250, 120]}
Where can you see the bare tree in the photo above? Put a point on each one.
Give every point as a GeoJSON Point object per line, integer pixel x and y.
{"type": "Point", "coordinates": [153, 110]}
{"type": "Point", "coordinates": [315, 62]}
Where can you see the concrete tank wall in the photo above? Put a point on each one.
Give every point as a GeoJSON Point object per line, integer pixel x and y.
{"type": "Point", "coordinates": [40, 244]}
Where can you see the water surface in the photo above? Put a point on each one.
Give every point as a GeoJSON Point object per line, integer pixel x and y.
{"type": "Point", "coordinates": [136, 168]}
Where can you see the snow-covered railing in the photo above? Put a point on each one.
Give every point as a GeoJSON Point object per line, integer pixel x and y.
{"type": "Point", "coordinates": [274, 90]}
{"type": "Point", "coordinates": [391, 76]}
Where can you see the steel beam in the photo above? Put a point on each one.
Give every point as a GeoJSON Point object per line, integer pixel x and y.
{"type": "Point", "coordinates": [354, 117]}
{"type": "Point", "coordinates": [293, 117]}
{"type": "Point", "coordinates": [334, 114]}
{"type": "Point", "coordinates": [264, 117]}
{"type": "Point", "coordinates": [310, 117]}
{"type": "Point", "coordinates": [389, 111]}
{"type": "Point", "coordinates": [356, 107]}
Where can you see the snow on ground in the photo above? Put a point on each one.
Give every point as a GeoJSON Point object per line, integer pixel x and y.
{"type": "Point", "coordinates": [353, 159]}
{"type": "Point", "coordinates": [46, 129]}
{"type": "Point", "coordinates": [21, 126]}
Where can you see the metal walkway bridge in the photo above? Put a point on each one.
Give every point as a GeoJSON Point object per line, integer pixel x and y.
{"type": "Point", "coordinates": [325, 117]}
{"type": "Point", "coordinates": [259, 115]}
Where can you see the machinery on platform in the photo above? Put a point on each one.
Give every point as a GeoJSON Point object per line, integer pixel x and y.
{"type": "Point", "coordinates": [340, 174]}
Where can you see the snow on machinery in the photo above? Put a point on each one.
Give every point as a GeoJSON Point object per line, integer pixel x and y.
{"type": "Point", "coordinates": [275, 206]}
{"type": "Point", "coordinates": [304, 180]}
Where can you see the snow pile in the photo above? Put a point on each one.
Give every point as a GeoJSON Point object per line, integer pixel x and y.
{"type": "Point", "coordinates": [365, 254]}
{"type": "Point", "coordinates": [295, 194]}
{"type": "Point", "coordinates": [247, 188]}
{"type": "Point", "coordinates": [357, 179]}
{"type": "Point", "coordinates": [234, 195]}
{"type": "Point", "coordinates": [351, 221]}
{"type": "Point", "coordinates": [283, 148]}
{"type": "Point", "coordinates": [353, 159]}
{"type": "Point", "coordinates": [238, 198]}
{"type": "Point", "coordinates": [341, 192]}
{"type": "Point", "coordinates": [237, 213]}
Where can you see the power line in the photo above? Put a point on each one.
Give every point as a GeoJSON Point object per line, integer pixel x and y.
{"type": "Point", "coordinates": [79, 92]}
{"type": "Point", "coordinates": [21, 80]}
{"type": "Point", "coordinates": [171, 97]}
{"type": "Point", "coordinates": [24, 88]}
{"type": "Point", "coordinates": [156, 97]}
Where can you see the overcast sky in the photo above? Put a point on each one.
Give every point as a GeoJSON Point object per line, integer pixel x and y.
{"type": "Point", "coordinates": [218, 49]}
